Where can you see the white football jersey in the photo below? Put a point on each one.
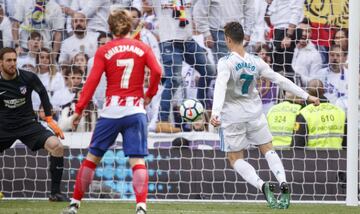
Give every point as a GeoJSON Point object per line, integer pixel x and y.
{"type": "Point", "coordinates": [236, 98]}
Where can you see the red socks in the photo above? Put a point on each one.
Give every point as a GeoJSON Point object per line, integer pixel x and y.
{"type": "Point", "coordinates": [83, 179]}
{"type": "Point", "coordinates": [86, 174]}
{"type": "Point", "coordinates": [140, 182]}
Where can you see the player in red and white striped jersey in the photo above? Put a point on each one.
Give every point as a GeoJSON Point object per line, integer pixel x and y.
{"type": "Point", "coordinates": [123, 60]}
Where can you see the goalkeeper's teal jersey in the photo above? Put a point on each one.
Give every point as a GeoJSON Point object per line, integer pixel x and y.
{"type": "Point", "coordinates": [236, 98]}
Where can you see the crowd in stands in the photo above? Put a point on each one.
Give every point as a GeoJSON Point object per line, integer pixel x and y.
{"type": "Point", "coordinates": [57, 39]}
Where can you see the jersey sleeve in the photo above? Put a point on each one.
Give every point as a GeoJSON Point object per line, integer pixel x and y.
{"type": "Point", "coordinates": [91, 82]}
{"type": "Point", "coordinates": [220, 87]}
{"type": "Point", "coordinates": [284, 83]}
{"type": "Point", "coordinates": [155, 73]}
{"type": "Point", "coordinates": [39, 88]}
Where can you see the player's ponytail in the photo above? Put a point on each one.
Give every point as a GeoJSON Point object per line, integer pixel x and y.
{"type": "Point", "coordinates": [120, 22]}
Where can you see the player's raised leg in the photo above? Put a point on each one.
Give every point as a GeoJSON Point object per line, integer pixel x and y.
{"type": "Point", "coordinates": [278, 170]}
{"type": "Point", "coordinates": [56, 149]}
{"type": "Point", "coordinates": [249, 174]}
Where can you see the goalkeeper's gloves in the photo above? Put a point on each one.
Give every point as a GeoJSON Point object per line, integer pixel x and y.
{"type": "Point", "coordinates": [52, 124]}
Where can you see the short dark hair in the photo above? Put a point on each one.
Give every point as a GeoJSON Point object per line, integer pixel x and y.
{"type": "Point", "coordinates": [104, 35]}
{"type": "Point", "coordinates": [235, 31]}
{"type": "Point", "coordinates": [334, 46]}
{"type": "Point", "coordinates": [34, 35]}
{"type": "Point", "coordinates": [305, 21]}
{"type": "Point", "coordinates": [6, 50]}
{"type": "Point", "coordinates": [71, 70]}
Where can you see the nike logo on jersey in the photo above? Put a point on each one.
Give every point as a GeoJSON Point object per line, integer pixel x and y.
{"type": "Point", "coordinates": [3, 92]}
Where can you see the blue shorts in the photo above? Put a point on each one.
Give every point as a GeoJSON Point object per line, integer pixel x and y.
{"type": "Point", "coordinates": [134, 132]}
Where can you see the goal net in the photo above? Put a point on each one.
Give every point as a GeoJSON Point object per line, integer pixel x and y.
{"type": "Point", "coordinates": [190, 164]}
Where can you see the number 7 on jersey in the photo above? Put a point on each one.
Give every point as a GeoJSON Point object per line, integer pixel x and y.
{"type": "Point", "coordinates": [129, 65]}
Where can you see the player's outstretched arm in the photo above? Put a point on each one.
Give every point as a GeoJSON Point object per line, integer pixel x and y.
{"type": "Point", "coordinates": [283, 82]}
{"type": "Point", "coordinates": [219, 92]}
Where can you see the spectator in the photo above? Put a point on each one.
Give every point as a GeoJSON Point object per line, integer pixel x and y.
{"type": "Point", "coordinates": [5, 30]}
{"type": "Point", "coordinates": [99, 95]}
{"type": "Point", "coordinates": [259, 35]}
{"type": "Point", "coordinates": [149, 18]}
{"type": "Point", "coordinates": [281, 118]}
{"type": "Point", "coordinates": [95, 11]}
{"type": "Point", "coordinates": [334, 75]}
{"type": "Point", "coordinates": [285, 15]}
{"type": "Point", "coordinates": [341, 39]}
{"type": "Point", "coordinates": [210, 17]}
{"type": "Point", "coordinates": [320, 127]}
{"type": "Point", "coordinates": [177, 45]}
{"type": "Point", "coordinates": [66, 99]}
{"type": "Point", "coordinates": [268, 90]}
{"type": "Point", "coordinates": [141, 33]}
{"type": "Point", "coordinates": [46, 18]}
{"type": "Point", "coordinates": [46, 70]}
{"type": "Point", "coordinates": [82, 40]}
{"type": "Point", "coordinates": [81, 60]}
{"type": "Point", "coordinates": [307, 61]}
{"type": "Point", "coordinates": [34, 44]}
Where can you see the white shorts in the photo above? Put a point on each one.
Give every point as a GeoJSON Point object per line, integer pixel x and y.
{"type": "Point", "coordinates": [239, 136]}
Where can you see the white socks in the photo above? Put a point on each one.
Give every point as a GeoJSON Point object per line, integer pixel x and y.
{"type": "Point", "coordinates": [248, 173]}
{"type": "Point", "coordinates": [276, 166]}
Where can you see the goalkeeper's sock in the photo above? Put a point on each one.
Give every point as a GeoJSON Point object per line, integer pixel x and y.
{"type": "Point", "coordinates": [248, 173]}
{"type": "Point", "coordinates": [56, 171]}
{"type": "Point", "coordinates": [140, 182]}
{"type": "Point", "coordinates": [276, 166]}
{"type": "Point", "coordinates": [83, 179]}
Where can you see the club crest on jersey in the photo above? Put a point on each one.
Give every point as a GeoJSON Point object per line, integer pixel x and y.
{"type": "Point", "coordinates": [23, 89]}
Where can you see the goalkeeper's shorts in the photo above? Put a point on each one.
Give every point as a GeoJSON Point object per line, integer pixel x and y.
{"type": "Point", "coordinates": [133, 129]}
{"type": "Point", "coordinates": [33, 135]}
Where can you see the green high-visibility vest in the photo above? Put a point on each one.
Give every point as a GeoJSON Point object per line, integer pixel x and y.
{"type": "Point", "coordinates": [281, 119]}
{"type": "Point", "coordinates": [326, 124]}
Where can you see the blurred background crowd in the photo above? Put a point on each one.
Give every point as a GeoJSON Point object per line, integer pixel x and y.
{"type": "Point", "coordinates": [302, 40]}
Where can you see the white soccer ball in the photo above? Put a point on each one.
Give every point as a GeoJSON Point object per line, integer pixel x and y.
{"type": "Point", "coordinates": [191, 110]}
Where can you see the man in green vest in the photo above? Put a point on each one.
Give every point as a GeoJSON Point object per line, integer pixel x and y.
{"type": "Point", "coordinates": [320, 127]}
{"type": "Point", "coordinates": [281, 119]}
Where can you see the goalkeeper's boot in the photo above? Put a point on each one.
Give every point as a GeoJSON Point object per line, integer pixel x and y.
{"type": "Point", "coordinates": [140, 208]}
{"type": "Point", "coordinates": [71, 209]}
{"type": "Point", "coordinates": [268, 191]}
{"type": "Point", "coordinates": [284, 201]}
{"type": "Point", "coordinates": [58, 197]}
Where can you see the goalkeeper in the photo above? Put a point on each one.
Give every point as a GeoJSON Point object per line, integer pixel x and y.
{"type": "Point", "coordinates": [18, 120]}
{"type": "Point", "coordinates": [237, 108]}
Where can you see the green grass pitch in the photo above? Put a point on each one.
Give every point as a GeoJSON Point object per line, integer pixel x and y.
{"type": "Point", "coordinates": [97, 207]}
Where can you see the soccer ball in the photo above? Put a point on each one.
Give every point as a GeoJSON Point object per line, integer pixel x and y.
{"type": "Point", "coordinates": [191, 110]}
